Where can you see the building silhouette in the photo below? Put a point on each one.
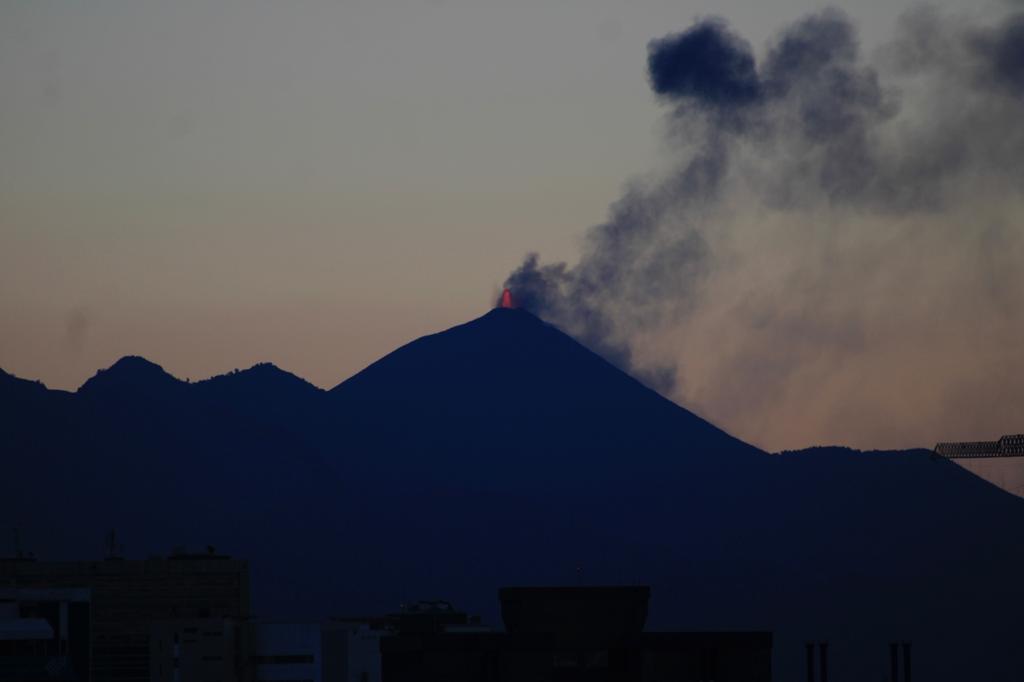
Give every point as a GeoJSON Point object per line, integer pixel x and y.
{"type": "Point", "coordinates": [45, 634]}
{"type": "Point", "coordinates": [334, 650]}
{"type": "Point", "coordinates": [572, 633]}
{"type": "Point", "coordinates": [186, 617]}
{"type": "Point", "coordinates": [198, 649]}
{"type": "Point", "coordinates": [128, 598]}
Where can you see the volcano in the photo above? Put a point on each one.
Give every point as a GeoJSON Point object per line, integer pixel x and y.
{"type": "Point", "coordinates": [508, 401]}
{"type": "Point", "coordinates": [503, 452]}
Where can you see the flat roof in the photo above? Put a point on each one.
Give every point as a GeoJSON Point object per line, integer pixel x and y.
{"type": "Point", "coordinates": [25, 629]}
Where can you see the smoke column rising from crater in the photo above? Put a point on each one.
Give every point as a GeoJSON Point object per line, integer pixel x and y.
{"type": "Point", "coordinates": [834, 256]}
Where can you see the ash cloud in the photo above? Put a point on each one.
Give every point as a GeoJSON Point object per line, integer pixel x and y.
{"type": "Point", "coordinates": [1003, 47]}
{"type": "Point", "coordinates": [833, 257]}
{"type": "Point", "coordinates": [707, 63]}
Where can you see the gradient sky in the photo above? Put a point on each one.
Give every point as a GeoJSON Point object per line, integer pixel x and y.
{"type": "Point", "coordinates": [214, 184]}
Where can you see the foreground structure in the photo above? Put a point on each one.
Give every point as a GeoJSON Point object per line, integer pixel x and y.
{"type": "Point", "coordinates": [1007, 446]}
{"type": "Point", "coordinates": [133, 605]}
{"type": "Point", "coordinates": [574, 633]}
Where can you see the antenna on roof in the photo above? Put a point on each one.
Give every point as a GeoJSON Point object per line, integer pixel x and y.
{"type": "Point", "coordinates": [19, 551]}
{"type": "Point", "coordinates": [114, 550]}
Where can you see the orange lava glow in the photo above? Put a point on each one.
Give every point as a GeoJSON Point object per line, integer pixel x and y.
{"type": "Point", "coordinates": [506, 299]}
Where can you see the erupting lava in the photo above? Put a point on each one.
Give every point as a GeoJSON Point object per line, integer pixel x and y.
{"type": "Point", "coordinates": [506, 300]}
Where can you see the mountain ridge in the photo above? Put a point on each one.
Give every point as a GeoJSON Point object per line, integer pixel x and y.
{"type": "Point", "coordinates": [502, 451]}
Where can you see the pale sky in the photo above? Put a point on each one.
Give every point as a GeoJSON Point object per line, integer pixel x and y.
{"type": "Point", "coordinates": [215, 184]}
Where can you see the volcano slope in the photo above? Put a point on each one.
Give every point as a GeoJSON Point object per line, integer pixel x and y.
{"type": "Point", "coordinates": [503, 452]}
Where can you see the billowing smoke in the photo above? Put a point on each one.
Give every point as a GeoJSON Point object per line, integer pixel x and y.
{"type": "Point", "coordinates": [836, 256]}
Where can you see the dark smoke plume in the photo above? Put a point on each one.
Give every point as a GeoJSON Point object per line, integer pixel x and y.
{"type": "Point", "coordinates": [833, 227]}
{"type": "Point", "coordinates": [707, 63]}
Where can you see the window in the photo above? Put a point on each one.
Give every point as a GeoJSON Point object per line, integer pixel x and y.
{"type": "Point", "coordinates": [283, 659]}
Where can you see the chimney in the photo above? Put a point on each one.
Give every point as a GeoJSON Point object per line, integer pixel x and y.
{"type": "Point", "coordinates": [810, 661]}
{"type": "Point", "coordinates": [823, 655]}
{"type": "Point", "coordinates": [894, 668]}
{"type": "Point", "coordinates": [906, 662]}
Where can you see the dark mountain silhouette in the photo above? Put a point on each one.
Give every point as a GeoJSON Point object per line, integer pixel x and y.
{"type": "Point", "coordinates": [12, 387]}
{"type": "Point", "coordinates": [262, 392]}
{"type": "Point", "coordinates": [508, 400]}
{"type": "Point", "coordinates": [131, 378]}
{"type": "Point", "coordinates": [23, 400]}
{"type": "Point", "coordinates": [502, 452]}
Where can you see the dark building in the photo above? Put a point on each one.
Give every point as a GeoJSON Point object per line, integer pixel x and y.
{"type": "Point", "coordinates": [44, 634]}
{"type": "Point", "coordinates": [335, 650]}
{"type": "Point", "coordinates": [128, 597]}
{"type": "Point", "coordinates": [574, 633]}
{"type": "Point", "coordinates": [205, 649]}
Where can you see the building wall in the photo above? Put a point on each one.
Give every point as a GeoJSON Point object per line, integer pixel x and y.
{"type": "Point", "coordinates": [363, 663]}
{"type": "Point", "coordinates": [128, 596]}
{"type": "Point", "coordinates": [286, 651]}
{"type": "Point", "coordinates": [327, 651]}
{"type": "Point", "coordinates": [650, 657]}
{"type": "Point", "coordinates": [202, 650]}
{"type": "Point", "coordinates": [48, 630]}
